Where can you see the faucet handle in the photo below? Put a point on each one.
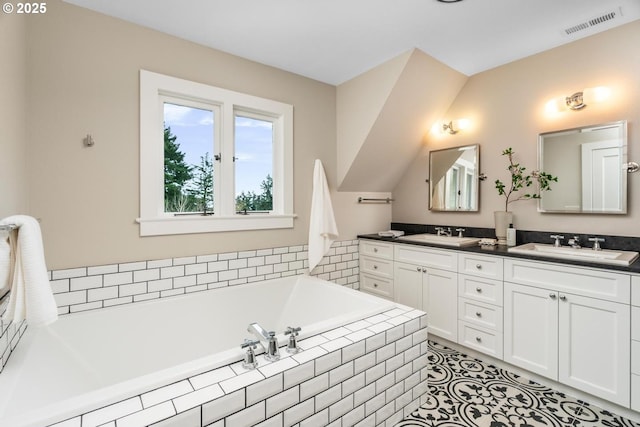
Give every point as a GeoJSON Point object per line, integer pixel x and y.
{"type": "Point", "coordinates": [596, 242]}
{"type": "Point", "coordinates": [558, 237]}
{"type": "Point", "coordinates": [460, 230]}
{"type": "Point", "coordinates": [249, 343]}
{"type": "Point", "coordinates": [292, 331]}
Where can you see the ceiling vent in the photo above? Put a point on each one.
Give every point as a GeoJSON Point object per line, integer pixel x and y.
{"type": "Point", "coordinates": [593, 22]}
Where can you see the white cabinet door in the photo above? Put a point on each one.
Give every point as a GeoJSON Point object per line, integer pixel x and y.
{"type": "Point", "coordinates": [440, 301]}
{"type": "Point", "coordinates": [594, 348]}
{"type": "Point", "coordinates": [408, 284]}
{"type": "Point", "coordinates": [531, 329]}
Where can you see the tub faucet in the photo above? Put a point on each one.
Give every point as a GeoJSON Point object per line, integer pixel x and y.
{"type": "Point", "coordinates": [293, 346]}
{"type": "Point", "coordinates": [250, 361]}
{"type": "Point", "coordinates": [267, 340]}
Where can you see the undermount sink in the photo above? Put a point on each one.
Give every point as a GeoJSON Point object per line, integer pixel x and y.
{"type": "Point", "coordinates": [603, 256]}
{"type": "Point", "coordinates": [441, 240]}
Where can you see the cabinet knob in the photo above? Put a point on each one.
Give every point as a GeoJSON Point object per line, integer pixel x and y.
{"type": "Point", "coordinates": [478, 314]}
{"type": "Point", "coordinates": [375, 267]}
{"type": "Point", "coordinates": [375, 249]}
{"type": "Point", "coordinates": [375, 285]}
{"type": "Point", "coordinates": [563, 297]}
{"type": "Point", "coordinates": [418, 269]}
{"type": "Point", "coordinates": [479, 290]}
{"type": "Point", "coordinates": [478, 339]}
{"type": "Point", "coordinates": [552, 296]}
{"type": "Point", "coordinates": [479, 266]}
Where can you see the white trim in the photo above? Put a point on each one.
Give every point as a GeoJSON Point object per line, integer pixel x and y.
{"type": "Point", "coordinates": [153, 220]}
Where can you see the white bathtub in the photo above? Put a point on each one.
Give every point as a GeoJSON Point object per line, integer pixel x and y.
{"type": "Point", "coordinates": [88, 360]}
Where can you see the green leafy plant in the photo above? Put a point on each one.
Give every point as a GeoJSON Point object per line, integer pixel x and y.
{"type": "Point", "coordinates": [520, 180]}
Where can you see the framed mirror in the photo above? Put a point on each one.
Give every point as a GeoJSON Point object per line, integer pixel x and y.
{"type": "Point", "coordinates": [453, 179]}
{"type": "Point", "coordinates": [591, 165]}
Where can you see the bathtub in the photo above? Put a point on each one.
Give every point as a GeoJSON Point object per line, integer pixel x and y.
{"type": "Point", "coordinates": [92, 359]}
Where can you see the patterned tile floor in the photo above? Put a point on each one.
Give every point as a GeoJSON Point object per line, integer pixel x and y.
{"type": "Point", "coordinates": [466, 392]}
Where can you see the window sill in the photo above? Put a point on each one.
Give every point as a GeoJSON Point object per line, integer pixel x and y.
{"type": "Point", "coordinates": [200, 224]}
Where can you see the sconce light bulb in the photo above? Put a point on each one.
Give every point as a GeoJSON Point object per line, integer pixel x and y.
{"type": "Point", "coordinates": [461, 124]}
{"type": "Point", "coordinates": [436, 129]}
{"type": "Point", "coordinates": [595, 94]}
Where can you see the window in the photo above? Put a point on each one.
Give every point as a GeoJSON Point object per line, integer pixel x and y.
{"type": "Point", "coordinates": [212, 159]}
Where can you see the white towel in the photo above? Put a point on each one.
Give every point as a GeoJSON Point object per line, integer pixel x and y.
{"type": "Point", "coordinates": [31, 295]}
{"type": "Point", "coordinates": [322, 224]}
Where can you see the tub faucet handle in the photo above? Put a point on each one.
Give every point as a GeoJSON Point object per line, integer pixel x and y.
{"type": "Point", "coordinates": [293, 346]}
{"type": "Point", "coordinates": [250, 361]}
{"type": "Point", "coordinates": [273, 352]}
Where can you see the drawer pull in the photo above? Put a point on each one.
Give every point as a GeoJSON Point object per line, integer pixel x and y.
{"type": "Point", "coordinates": [375, 285]}
{"type": "Point", "coordinates": [552, 296]}
{"type": "Point", "coordinates": [563, 297]}
{"type": "Point", "coordinates": [479, 290]}
{"type": "Point", "coordinates": [375, 267]}
{"type": "Point", "coordinates": [478, 314]}
{"type": "Point", "coordinates": [375, 249]}
{"type": "Point", "coordinates": [478, 339]}
{"type": "Point", "coordinates": [418, 269]}
{"type": "Point", "coordinates": [479, 267]}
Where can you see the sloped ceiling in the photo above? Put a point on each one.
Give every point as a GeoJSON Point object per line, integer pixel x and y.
{"type": "Point", "coordinates": [383, 115]}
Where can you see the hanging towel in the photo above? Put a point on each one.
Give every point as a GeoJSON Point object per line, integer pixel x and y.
{"type": "Point", "coordinates": [322, 224]}
{"type": "Point", "coordinates": [31, 296]}
{"type": "Point", "coordinates": [7, 252]}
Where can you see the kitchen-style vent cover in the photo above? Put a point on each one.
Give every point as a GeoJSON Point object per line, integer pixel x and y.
{"type": "Point", "coordinates": [601, 19]}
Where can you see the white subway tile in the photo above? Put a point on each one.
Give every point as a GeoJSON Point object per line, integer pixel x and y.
{"type": "Point", "coordinates": [172, 292]}
{"type": "Point", "coordinates": [183, 281]}
{"type": "Point", "coordinates": [88, 282]}
{"type": "Point", "coordinates": [199, 397]}
{"type": "Point", "coordinates": [352, 351]}
{"type": "Point", "coordinates": [68, 273]}
{"type": "Point", "coordinates": [373, 404]}
{"type": "Point", "coordinates": [166, 393]}
{"type": "Point", "coordinates": [309, 354]}
{"type": "Point", "coordinates": [314, 386]}
{"type": "Point", "coordinates": [228, 256]}
{"type": "Point", "coordinates": [117, 301]}
{"type": "Point", "coordinates": [380, 327]}
{"type": "Point", "coordinates": [190, 418]}
{"type": "Point", "coordinates": [374, 373]}
{"type": "Point", "coordinates": [263, 389]}
{"type": "Point", "coordinates": [102, 293]}
{"type": "Point", "coordinates": [374, 342]}
{"type": "Point", "coordinates": [404, 399]}
{"type": "Point", "coordinates": [411, 381]}
{"type": "Point", "coordinates": [159, 263]}
{"type": "Point", "coordinates": [148, 416]}
{"type": "Point", "coordinates": [131, 266]}
{"type": "Point", "coordinates": [319, 419]}
{"type": "Point", "coordinates": [398, 320]}
{"type": "Point", "coordinates": [328, 397]}
{"type": "Point", "coordinates": [313, 341]}
{"type": "Point", "coordinates": [237, 281]}
{"type": "Point", "coordinates": [222, 407]}
{"type": "Point", "coordinates": [206, 258]}
{"type": "Point", "coordinates": [340, 408]}
{"type": "Point", "coordinates": [133, 289]}
{"type": "Point", "coordinates": [70, 298]}
{"type": "Point", "coordinates": [248, 417]}
{"type": "Point", "coordinates": [298, 413]}
{"type": "Point", "coordinates": [278, 366]}
{"type": "Point", "coordinates": [195, 269]}
{"type": "Point", "coordinates": [353, 384]}
{"type": "Point", "coordinates": [146, 297]}
{"type": "Point", "coordinates": [360, 335]}
{"type": "Point", "coordinates": [336, 344]}
{"type": "Point", "coordinates": [73, 422]}
{"type": "Point", "coordinates": [282, 401]}
{"type": "Point", "coordinates": [206, 278]}
{"type": "Point", "coordinates": [159, 285]}
{"type": "Point", "coordinates": [228, 275]}
{"type": "Point", "coordinates": [237, 263]}
{"type": "Point", "coordinates": [385, 382]}
{"type": "Point", "coordinates": [395, 333]}
{"type": "Point", "coordinates": [198, 288]}
{"type": "Point", "coordinates": [146, 275]}
{"type": "Point", "coordinates": [102, 269]}
{"type": "Point", "coordinates": [412, 353]}
{"type": "Point", "coordinates": [340, 373]}
{"type": "Point", "coordinates": [384, 413]}
{"type": "Point", "coordinates": [118, 278]}
{"type": "Point", "coordinates": [111, 412]}
{"type": "Point", "coordinates": [365, 362]}
{"type": "Point", "coordinates": [336, 333]}
{"type": "Point", "coordinates": [247, 272]}
{"type": "Point", "coordinates": [168, 272]}
{"type": "Point", "coordinates": [299, 374]}
{"type": "Point", "coordinates": [327, 362]}
{"type": "Point", "coordinates": [240, 381]}
{"type": "Point", "coordinates": [211, 377]}
{"type": "Point", "coordinates": [354, 416]}
{"type": "Point", "coordinates": [184, 260]}
{"type": "Point", "coordinates": [394, 363]}
{"type": "Point", "coordinates": [403, 372]}
{"type": "Point", "coordinates": [370, 421]}
{"type": "Point", "coordinates": [58, 286]}
{"type": "Point", "coordinates": [85, 307]}
{"type": "Point", "coordinates": [385, 352]}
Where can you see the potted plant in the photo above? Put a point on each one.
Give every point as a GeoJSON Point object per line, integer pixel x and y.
{"type": "Point", "coordinates": [519, 181]}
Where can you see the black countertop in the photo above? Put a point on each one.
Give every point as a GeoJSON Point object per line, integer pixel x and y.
{"type": "Point", "coordinates": [500, 250]}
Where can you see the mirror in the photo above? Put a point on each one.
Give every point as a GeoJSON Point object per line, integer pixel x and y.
{"type": "Point", "coordinates": [453, 179]}
{"type": "Point", "coordinates": [590, 163]}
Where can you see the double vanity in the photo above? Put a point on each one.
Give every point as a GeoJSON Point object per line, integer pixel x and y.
{"type": "Point", "coordinates": [569, 314]}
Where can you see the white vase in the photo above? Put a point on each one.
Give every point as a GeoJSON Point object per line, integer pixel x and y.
{"type": "Point", "coordinates": [502, 220]}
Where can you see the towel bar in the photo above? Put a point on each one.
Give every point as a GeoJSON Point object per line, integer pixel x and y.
{"type": "Point", "coordinates": [387, 200]}
{"type": "Point", "coordinates": [8, 227]}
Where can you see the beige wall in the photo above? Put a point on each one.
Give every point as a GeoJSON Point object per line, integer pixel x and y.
{"type": "Point", "coordinates": [506, 107]}
{"type": "Point", "coordinates": [83, 78]}
{"type": "Point", "coordinates": [13, 86]}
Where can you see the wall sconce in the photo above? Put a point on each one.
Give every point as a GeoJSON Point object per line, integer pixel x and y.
{"type": "Point", "coordinates": [579, 100]}
{"type": "Point", "coordinates": [453, 127]}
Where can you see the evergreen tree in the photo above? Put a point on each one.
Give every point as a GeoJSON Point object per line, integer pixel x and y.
{"type": "Point", "coordinates": [201, 187]}
{"type": "Point", "coordinates": [176, 173]}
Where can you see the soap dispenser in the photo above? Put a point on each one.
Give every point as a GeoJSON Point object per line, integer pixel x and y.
{"type": "Point", "coordinates": [511, 235]}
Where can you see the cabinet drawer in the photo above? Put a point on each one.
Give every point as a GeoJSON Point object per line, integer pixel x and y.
{"type": "Point", "coordinates": [377, 266]}
{"type": "Point", "coordinates": [376, 285]}
{"type": "Point", "coordinates": [480, 314]}
{"type": "Point", "coordinates": [485, 290]}
{"type": "Point", "coordinates": [480, 339]}
{"type": "Point", "coordinates": [635, 357]}
{"type": "Point", "coordinates": [635, 290]}
{"type": "Point", "coordinates": [426, 257]}
{"type": "Point", "coordinates": [376, 249]}
{"type": "Point", "coordinates": [635, 392]}
{"type": "Point", "coordinates": [481, 266]}
{"type": "Point", "coordinates": [587, 282]}
{"type": "Point", "coordinates": [635, 323]}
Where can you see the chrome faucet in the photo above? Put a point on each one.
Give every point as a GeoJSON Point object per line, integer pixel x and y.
{"type": "Point", "coordinates": [557, 237]}
{"type": "Point", "coordinates": [596, 243]}
{"type": "Point", "coordinates": [575, 242]}
{"type": "Point", "coordinates": [439, 231]}
{"type": "Point", "coordinates": [267, 340]}
{"type": "Point", "coordinates": [293, 346]}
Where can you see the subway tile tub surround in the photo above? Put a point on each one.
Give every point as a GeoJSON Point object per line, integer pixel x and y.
{"type": "Point", "coordinates": [372, 372]}
{"type": "Point", "coordinates": [96, 287]}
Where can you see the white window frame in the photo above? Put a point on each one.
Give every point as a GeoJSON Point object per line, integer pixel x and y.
{"type": "Point", "coordinates": [154, 89]}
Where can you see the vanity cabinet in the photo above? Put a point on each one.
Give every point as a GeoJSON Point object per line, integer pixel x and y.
{"type": "Point", "coordinates": [635, 343]}
{"type": "Point", "coordinates": [569, 324]}
{"type": "Point", "coordinates": [480, 296]}
{"type": "Point", "coordinates": [376, 268]}
{"type": "Point", "coordinates": [427, 279]}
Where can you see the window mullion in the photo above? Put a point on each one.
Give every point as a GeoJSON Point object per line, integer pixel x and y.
{"type": "Point", "coordinates": [226, 165]}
